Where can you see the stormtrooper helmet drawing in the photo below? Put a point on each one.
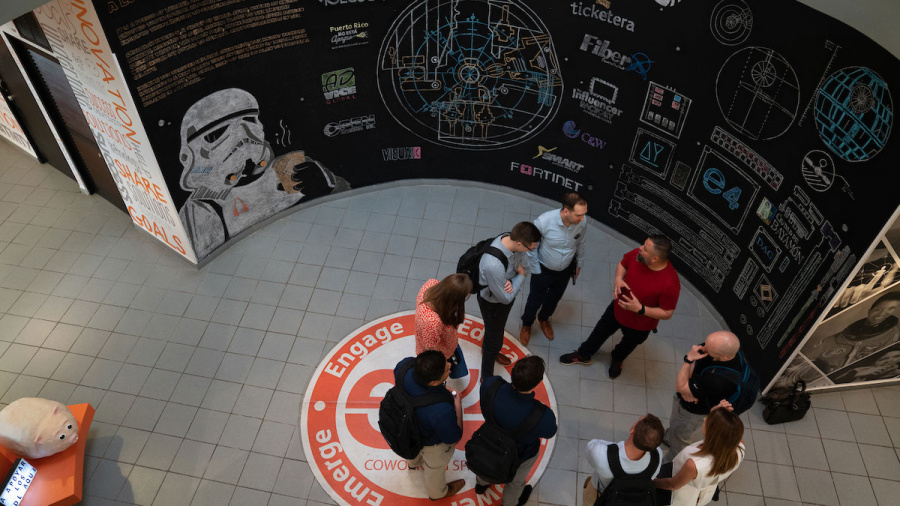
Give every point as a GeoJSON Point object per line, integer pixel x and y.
{"type": "Point", "coordinates": [223, 145]}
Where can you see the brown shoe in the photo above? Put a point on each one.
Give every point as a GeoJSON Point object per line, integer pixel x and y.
{"type": "Point", "coordinates": [525, 335]}
{"type": "Point", "coordinates": [503, 360]}
{"type": "Point", "coordinates": [547, 329]}
{"type": "Point", "coordinates": [453, 488]}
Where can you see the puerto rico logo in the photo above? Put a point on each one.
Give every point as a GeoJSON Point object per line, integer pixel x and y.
{"type": "Point", "coordinates": [339, 418]}
{"type": "Point", "coordinates": [339, 85]}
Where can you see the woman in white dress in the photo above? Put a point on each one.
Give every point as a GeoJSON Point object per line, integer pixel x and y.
{"type": "Point", "coordinates": [699, 468]}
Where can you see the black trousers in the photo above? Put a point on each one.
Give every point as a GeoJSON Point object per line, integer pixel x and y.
{"type": "Point", "coordinates": [494, 315]}
{"type": "Point", "coordinates": [607, 326]}
{"type": "Point", "coordinates": [547, 288]}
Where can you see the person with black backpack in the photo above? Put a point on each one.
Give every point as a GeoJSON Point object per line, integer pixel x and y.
{"type": "Point", "coordinates": [712, 372]}
{"type": "Point", "coordinates": [500, 283]}
{"type": "Point", "coordinates": [624, 471]}
{"type": "Point", "coordinates": [423, 421]}
{"type": "Point", "coordinates": [510, 410]}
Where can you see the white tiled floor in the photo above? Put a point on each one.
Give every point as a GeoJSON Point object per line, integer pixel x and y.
{"type": "Point", "coordinates": [197, 376]}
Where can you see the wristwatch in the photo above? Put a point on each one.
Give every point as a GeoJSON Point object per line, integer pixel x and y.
{"type": "Point", "coordinates": [686, 361]}
{"type": "Point", "coordinates": [642, 310]}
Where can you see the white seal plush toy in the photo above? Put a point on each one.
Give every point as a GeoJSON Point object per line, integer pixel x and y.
{"type": "Point", "coordinates": [36, 428]}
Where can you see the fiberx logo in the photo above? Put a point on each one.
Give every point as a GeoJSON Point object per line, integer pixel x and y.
{"type": "Point", "coordinates": [339, 85]}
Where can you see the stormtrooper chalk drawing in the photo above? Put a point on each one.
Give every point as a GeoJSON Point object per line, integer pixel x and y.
{"type": "Point", "coordinates": [234, 178]}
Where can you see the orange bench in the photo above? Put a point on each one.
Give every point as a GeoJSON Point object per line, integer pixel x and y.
{"type": "Point", "coordinates": [59, 478]}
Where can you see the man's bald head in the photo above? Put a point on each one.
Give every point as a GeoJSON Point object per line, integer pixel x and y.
{"type": "Point", "coordinates": [722, 345]}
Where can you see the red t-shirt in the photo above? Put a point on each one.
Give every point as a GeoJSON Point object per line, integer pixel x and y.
{"type": "Point", "coordinates": [653, 288]}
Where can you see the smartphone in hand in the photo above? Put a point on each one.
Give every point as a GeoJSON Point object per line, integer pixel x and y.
{"type": "Point", "coordinates": [623, 293]}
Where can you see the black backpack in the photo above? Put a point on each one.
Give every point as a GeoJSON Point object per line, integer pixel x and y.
{"type": "Point", "coordinates": [397, 415]}
{"type": "Point", "coordinates": [746, 380]}
{"type": "Point", "coordinates": [469, 261]}
{"type": "Point", "coordinates": [627, 488]}
{"type": "Point", "coordinates": [492, 453]}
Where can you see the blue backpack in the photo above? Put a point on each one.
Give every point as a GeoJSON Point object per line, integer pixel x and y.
{"type": "Point", "coordinates": [746, 380]}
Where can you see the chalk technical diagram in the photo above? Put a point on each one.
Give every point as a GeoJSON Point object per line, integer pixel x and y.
{"type": "Point", "coordinates": [470, 74]}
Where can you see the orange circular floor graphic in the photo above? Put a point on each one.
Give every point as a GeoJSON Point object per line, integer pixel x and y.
{"type": "Point", "coordinates": [339, 420]}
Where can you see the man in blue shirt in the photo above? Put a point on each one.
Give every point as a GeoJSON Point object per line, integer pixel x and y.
{"type": "Point", "coordinates": [558, 259]}
{"type": "Point", "coordinates": [512, 405]}
{"type": "Point", "coordinates": [501, 287]}
{"type": "Point", "coordinates": [439, 424]}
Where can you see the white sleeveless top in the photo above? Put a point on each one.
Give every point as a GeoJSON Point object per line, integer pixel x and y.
{"type": "Point", "coordinates": [700, 490]}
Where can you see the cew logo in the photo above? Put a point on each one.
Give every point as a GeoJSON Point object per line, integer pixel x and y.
{"type": "Point", "coordinates": [339, 419]}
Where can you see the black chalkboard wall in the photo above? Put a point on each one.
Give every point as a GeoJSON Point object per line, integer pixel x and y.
{"type": "Point", "coordinates": [755, 133]}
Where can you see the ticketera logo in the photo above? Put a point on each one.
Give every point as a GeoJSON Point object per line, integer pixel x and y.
{"type": "Point", "coordinates": [570, 131]}
{"type": "Point", "coordinates": [339, 417]}
{"type": "Point", "coordinates": [346, 126]}
{"type": "Point", "coordinates": [546, 154]}
{"type": "Point", "coordinates": [339, 85]}
{"type": "Point", "coordinates": [394, 154]}
{"type": "Point", "coordinates": [591, 11]}
{"type": "Point", "coordinates": [546, 175]}
{"type": "Point", "coordinates": [599, 99]}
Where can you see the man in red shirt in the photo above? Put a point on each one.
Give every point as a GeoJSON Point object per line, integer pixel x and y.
{"type": "Point", "coordinates": [646, 291]}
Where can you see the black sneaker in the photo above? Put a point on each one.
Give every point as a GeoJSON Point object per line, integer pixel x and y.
{"type": "Point", "coordinates": [615, 369]}
{"type": "Point", "coordinates": [481, 489]}
{"type": "Point", "coordinates": [574, 358]}
{"type": "Point", "coordinates": [526, 493]}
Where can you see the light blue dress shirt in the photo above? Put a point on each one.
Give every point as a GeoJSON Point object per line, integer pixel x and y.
{"type": "Point", "coordinates": [559, 243]}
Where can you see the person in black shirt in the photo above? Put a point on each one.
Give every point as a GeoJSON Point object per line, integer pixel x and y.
{"type": "Point", "coordinates": [697, 393]}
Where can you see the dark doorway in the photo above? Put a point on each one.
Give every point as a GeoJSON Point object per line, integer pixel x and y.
{"type": "Point", "coordinates": [62, 107]}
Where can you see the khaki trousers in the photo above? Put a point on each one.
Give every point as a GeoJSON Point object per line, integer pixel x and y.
{"type": "Point", "coordinates": [434, 458]}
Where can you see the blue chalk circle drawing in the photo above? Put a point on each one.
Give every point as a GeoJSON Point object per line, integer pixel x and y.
{"type": "Point", "coordinates": [731, 22]}
{"type": "Point", "coordinates": [854, 113]}
{"type": "Point", "coordinates": [470, 74]}
{"type": "Point", "coordinates": [758, 93]}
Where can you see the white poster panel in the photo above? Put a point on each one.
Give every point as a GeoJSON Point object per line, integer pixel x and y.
{"type": "Point", "coordinates": [11, 130]}
{"type": "Point", "coordinates": [80, 45]}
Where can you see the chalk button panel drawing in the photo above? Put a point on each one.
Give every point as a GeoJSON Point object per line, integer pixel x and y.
{"type": "Point", "coordinates": [470, 74]}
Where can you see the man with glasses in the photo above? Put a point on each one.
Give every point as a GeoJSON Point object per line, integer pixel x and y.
{"type": "Point", "coordinates": [502, 285]}
{"type": "Point", "coordinates": [558, 259]}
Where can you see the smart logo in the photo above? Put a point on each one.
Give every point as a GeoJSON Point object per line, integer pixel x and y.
{"type": "Point", "coordinates": [339, 85]}
{"type": "Point", "coordinates": [559, 161]}
{"type": "Point", "coordinates": [339, 417]}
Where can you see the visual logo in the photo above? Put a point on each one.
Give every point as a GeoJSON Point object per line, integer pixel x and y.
{"type": "Point", "coordinates": [571, 132]}
{"type": "Point", "coordinates": [547, 154]}
{"type": "Point", "coordinates": [546, 175]}
{"type": "Point", "coordinates": [598, 101]}
{"type": "Point", "coordinates": [346, 126]}
{"type": "Point", "coordinates": [601, 48]}
{"type": "Point", "coordinates": [339, 85]}
{"type": "Point", "coordinates": [591, 11]}
{"type": "Point", "coordinates": [339, 417]}
{"type": "Point", "coordinates": [349, 35]}
{"type": "Point", "coordinates": [394, 154]}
